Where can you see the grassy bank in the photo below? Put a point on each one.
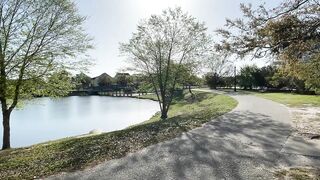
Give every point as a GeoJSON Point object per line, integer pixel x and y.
{"type": "Point", "coordinates": [76, 153]}
{"type": "Point", "coordinates": [291, 99]}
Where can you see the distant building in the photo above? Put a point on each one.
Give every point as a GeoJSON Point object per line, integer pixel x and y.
{"type": "Point", "coordinates": [120, 80]}
{"type": "Point", "coordinates": [103, 80]}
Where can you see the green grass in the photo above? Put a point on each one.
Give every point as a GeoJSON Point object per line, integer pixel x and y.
{"type": "Point", "coordinates": [291, 99]}
{"type": "Point", "coordinates": [76, 153]}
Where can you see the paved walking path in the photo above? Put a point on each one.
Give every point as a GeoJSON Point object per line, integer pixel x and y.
{"type": "Point", "coordinates": [249, 142]}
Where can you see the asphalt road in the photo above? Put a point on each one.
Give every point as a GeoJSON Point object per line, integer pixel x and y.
{"type": "Point", "coordinates": [250, 142]}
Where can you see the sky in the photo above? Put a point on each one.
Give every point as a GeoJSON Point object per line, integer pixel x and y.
{"type": "Point", "coordinates": [111, 22]}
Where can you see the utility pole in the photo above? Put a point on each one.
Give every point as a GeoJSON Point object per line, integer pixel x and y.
{"type": "Point", "coordinates": [235, 79]}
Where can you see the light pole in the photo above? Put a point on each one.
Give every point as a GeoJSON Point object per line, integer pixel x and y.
{"type": "Point", "coordinates": [235, 79]}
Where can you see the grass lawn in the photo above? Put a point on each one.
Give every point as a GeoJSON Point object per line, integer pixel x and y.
{"type": "Point", "coordinates": [292, 100]}
{"type": "Point", "coordinates": [76, 153]}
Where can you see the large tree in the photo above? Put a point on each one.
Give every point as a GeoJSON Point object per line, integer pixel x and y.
{"type": "Point", "coordinates": [247, 77]}
{"type": "Point", "coordinates": [188, 77]}
{"type": "Point", "coordinates": [38, 39]}
{"type": "Point", "coordinates": [289, 33]}
{"type": "Point", "coordinates": [81, 80]}
{"type": "Point", "coordinates": [162, 42]}
{"type": "Point", "coordinates": [123, 79]}
{"type": "Point", "coordinates": [217, 66]}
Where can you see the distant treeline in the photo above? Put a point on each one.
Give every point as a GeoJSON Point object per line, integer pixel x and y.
{"type": "Point", "coordinates": [269, 78]}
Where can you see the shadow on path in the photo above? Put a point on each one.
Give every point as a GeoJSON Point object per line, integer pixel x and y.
{"type": "Point", "coordinates": [246, 143]}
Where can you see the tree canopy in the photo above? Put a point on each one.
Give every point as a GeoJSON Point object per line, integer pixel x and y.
{"type": "Point", "coordinates": [162, 42]}
{"type": "Point", "coordinates": [289, 33]}
{"type": "Point", "coordinates": [37, 40]}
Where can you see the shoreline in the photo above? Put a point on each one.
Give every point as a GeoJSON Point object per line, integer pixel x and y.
{"type": "Point", "coordinates": [76, 153]}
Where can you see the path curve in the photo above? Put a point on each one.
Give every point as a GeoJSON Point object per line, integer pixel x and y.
{"type": "Point", "coordinates": [247, 143]}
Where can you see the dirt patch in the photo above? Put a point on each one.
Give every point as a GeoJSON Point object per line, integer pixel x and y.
{"type": "Point", "coordinates": [306, 121]}
{"type": "Point", "coordinates": [298, 173]}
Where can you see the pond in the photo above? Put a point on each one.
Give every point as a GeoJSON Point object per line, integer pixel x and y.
{"type": "Point", "coordinates": [44, 119]}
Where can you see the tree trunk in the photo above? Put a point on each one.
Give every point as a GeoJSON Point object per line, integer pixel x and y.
{"type": "Point", "coordinates": [189, 87]}
{"type": "Point", "coordinates": [164, 112]}
{"type": "Point", "coordinates": [164, 115]}
{"type": "Point", "coordinates": [6, 130]}
{"type": "Point", "coordinates": [192, 95]}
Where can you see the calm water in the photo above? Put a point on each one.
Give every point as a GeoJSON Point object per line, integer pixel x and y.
{"type": "Point", "coordinates": [46, 119]}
